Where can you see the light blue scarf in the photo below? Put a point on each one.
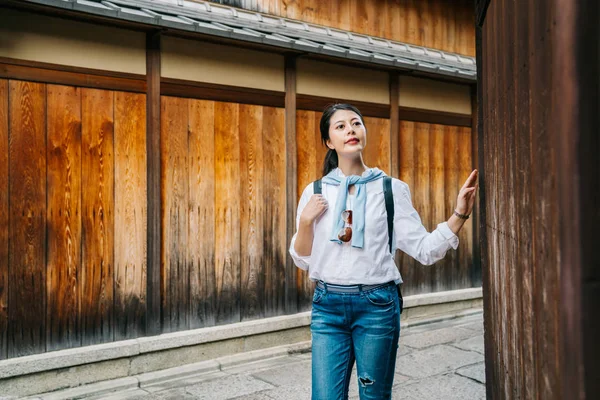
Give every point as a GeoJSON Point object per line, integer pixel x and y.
{"type": "Point", "coordinates": [358, 213]}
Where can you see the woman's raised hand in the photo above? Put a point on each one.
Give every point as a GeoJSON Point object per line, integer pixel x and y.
{"type": "Point", "coordinates": [467, 194]}
{"type": "Point", "coordinates": [315, 207]}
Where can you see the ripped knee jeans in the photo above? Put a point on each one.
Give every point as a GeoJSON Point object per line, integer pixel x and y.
{"type": "Point", "coordinates": [361, 326]}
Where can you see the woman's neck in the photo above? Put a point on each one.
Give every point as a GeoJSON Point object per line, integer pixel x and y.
{"type": "Point", "coordinates": [352, 167]}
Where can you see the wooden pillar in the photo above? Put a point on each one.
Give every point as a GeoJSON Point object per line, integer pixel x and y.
{"type": "Point", "coordinates": [291, 294]}
{"type": "Point", "coordinates": [394, 124]}
{"type": "Point", "coordinates": [153, 300]}
{"type": "Point", "coordinates": [476, 270]}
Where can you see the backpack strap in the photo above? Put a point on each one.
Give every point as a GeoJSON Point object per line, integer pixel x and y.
{"type": "Point", "coordinates": [389, 207]}
{"type": "Point", "coordinates": [317, 187]}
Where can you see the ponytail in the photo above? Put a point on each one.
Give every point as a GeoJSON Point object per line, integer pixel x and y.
{"type": "Point", "coordinates": [331, 162]}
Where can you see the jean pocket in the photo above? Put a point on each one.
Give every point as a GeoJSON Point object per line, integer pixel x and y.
{"type": "Point", "coordinates": [380, 297]}
{"type": "Point", "coordinates": [318, 295]}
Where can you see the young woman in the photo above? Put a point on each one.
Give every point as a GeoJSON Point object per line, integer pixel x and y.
{"type": "Point", "coordinates": [345, 248]}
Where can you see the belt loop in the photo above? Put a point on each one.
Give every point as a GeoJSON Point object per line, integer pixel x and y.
{"type": "Point", "coordinates": [360, 288]}
{"type": "Point", "coordinates": [325, 286]}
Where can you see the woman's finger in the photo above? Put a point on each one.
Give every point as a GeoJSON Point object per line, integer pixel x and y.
{"type": "Point", "coordinates": [470, 180]}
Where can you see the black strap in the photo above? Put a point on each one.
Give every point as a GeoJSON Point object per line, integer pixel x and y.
{"type": "Point", "coordinates": [389, 203]}
{"type": "Point", "coordinates": [317, 187]}
{"type": "Point", "coordinates": [389, 207]}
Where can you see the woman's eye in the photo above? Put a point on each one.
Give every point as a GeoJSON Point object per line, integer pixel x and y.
{"type": "Point", "coordinates": [340, 126]}
{"type": "Point", "coordinates": [357, 123]}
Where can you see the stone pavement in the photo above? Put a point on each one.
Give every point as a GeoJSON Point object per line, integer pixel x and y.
{"type": "Point", "coordinates": [442, 360]}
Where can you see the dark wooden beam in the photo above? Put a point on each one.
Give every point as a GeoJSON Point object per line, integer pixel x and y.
{"type": "Point", "coordinates": [317, 103]}
{"type": "Point", "coordinates": [216, 92]}
{"type": "Point", "coordinates": [291, 292]}
{"type": "Point", "coordinates": [153, 299]}
{"type": "Point", "coordinates": [394, 124]}
{"type": "Point", "coordinates": [476, 270]}
{"type": "Point", "coordinates": [434, 117]}
{"type": "Point", "coordinates": [68, 75]}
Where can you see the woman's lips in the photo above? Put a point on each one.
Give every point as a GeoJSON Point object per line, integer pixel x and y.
{"type": "Point", "coordinates": [352, 141]}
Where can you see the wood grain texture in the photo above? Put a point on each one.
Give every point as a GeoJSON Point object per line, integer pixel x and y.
{"type": "Point", "coordinates": [252, 212]}
{"type": "Point", "coordinates": [63, 216]}
{"type": "Point", "coordinates": [27, 220]}
{"type": "Point", "coordinates": [438, 199]}
{"type": "Point", "coordinates": [4, 219]}
{"type": "Point", "coordinates": [130, 216]}
{"type": "Point", "coordinates": [97, 181]}
{"type": "Point", "coordinates": [227, 208]}
{"type": "Point", "coordinates": [201, 239]}
{"type": "Point", "coordinates": [451, 178]}
{"type": "Point", "coordinates": [275, 246]}
{"type": "Point", "coordinates": [175, 184]}
{"type": "Point", "coordinates": [376, 152]}
{"type": "Point", "coordinates": [422, 196]}
{"type": "Point", "coordinates": [432, 23]}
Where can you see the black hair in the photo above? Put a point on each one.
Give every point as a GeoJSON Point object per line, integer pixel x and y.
{"type": "Point", "coordinates": [331, 158]}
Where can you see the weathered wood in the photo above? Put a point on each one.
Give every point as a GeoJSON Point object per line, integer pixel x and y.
{"type": "Point", "coordinates": [227, 207]}
{"type": "Point", "coordinates": [421, 196]}
{"type": "Point", "coordinates": [153, 197]}
{"type": "Point", "coordinates": [291, 296]}
{"type": "Point", "coordinates": [253, 168]}
{"type": "Point", "coordinates": [175, 176]}
{"type": "Point", "coordinates": [377, 152]}
{"type": "Point", "coordinates": [201, 250]}
{"type": "Point", "coordinates": [452, 182]}
{"type": "Point", "coordinates": [4, 219]}
{"type": "Point", "coordinates": [63, 216]}
{"type": "Point", "coordinates": [465, 255]}
{"type": "Point", "coordinates": [275, 246]}
{"type": "Point", "coordinates": [97, 202]}
{"type": "Point", "coordinates": [27, 219]}
{"type": "Point", "coordinates": [406, 264]}
{"type": "Point", "coordinates": [438, 198]}
{"type": "Point", "coordinates": [130, 216]}
{"type": "Point", "coordinates": [394, 123]}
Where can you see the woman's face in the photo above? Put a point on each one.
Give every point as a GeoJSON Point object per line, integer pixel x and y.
{"type": "Point", "coordinates": [347, 134]}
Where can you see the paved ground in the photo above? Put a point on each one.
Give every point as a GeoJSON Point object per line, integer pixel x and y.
{"type": "Point", "coordinates": [443, 360]}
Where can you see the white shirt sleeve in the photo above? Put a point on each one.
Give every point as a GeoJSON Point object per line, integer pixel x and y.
{"type": "Point", "coordinates": [410, 235]}
{"type": "Point", "coordinates": [301, 262]}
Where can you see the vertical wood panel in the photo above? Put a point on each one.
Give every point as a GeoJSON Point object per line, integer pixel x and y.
{"type": "Point", "coordinates": [465, 254]}
{"type": "Point", "coordinates": [275, 246]}
{"type": "Point", "coordinates": [130, 215]}
{"type": "Point", "coordinates": [27, 244]}
{"type": "Point", "coordinates": [227, 212]}
{"type": "Point", "coordinates": [421, 194]}
{"type": "Point", "coordinates": [4, 219]}
{"type": "Point", "coordinates": [175, 175]}
{"type": "Point", "coordinates": [201, 239]}
{"type": "Point", "coordinates": [97, 182]}
{"type": "Point", "coordinates": [406, 141]}
{"type": "Point", "coordinates": [377, 152]}
{"type": "Point", "coordinates": [438, 199]}
{"type": "Point", "coordinates": [452, 182]}
{"type": "Point", "coordinates": [63, 216]}
{"type": "Point", "coordinates": [253, 167]}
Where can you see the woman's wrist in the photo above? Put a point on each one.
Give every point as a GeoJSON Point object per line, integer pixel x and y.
{"type": "Point", "coordinates": [460, 215]}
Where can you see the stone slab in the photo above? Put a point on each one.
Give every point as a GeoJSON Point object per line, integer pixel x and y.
{"type": "Point", "coordinates": [228, 387]}
{"type": "Point", "coordinates": [475, 343]}
{"type": "Point", "coordinates": [101, 389]}
{"type": "Point", "coordinates": [446, 387]}
{"type": "Point", "coordinates": [475, 372]}
{"type": "Point", "coordinates": [435, 360]}
{"type": "Point", "coordinates": [435, 337]}
{"type": "Point", "coordinates": [443, 297]}
{"type": "Point", "coordinates": [292, 373]}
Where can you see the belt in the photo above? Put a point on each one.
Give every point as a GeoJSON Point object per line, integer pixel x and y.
{"type": "Point", "coordinates": [328, 287]}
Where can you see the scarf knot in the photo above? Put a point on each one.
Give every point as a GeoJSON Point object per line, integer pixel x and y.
{"type": "Point", "coordinates": [358, 213]}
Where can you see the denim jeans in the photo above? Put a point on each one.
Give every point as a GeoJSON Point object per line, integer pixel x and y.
{"type": "Point", "coordinates": [348, 327]}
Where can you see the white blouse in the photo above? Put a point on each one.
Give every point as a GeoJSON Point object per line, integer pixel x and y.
{"type": "Point", "coordinates": [343, 264]}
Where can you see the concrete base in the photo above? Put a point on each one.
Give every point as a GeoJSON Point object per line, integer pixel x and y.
{"type": "Point", "coordinates": [213, 348]}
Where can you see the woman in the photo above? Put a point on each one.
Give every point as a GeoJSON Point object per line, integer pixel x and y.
{"type": "Point", "coordinates": [356, 307]}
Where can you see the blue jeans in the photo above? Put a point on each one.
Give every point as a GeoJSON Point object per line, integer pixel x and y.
{"type": "Point", "coordinates": [345, 327]}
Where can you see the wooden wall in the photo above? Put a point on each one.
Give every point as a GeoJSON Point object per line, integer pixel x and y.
{"type": "Point", "coordinates": [538, 63]}
{"type": "Point", "coordinates": [439, 24]}
{"type": "Point", "coordinates": [73, 180]}
{"type": "Point", "coordinates": [520, 253]}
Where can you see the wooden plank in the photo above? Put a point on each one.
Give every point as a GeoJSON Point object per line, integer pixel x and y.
{"type": "Point", "coordinates": [377, 153]}
{"type": "Point", "coordinates": [407, 265]}
{"type": "Point", "coordinates": [291, 296]}
{"type": "Point", "coordinates": [465, 255]}
{"type": "Point", "coordinates": [319, 147]}
{"type": "Point", "coordinates": [451, 182]}
{"type": "Point", "coordinates": [253, 167]}
{"type": "Point", "coordinates": [154, 198]}
{"type": "Point", "coordinates": [307, 165]}
{"type": "Point", "coordinates": [438, 190]}
{"type": "Point", "coordinates": [422, 195]}
{"type": "Point", "coordinates": [434, 117]}
{"type": "Point", "coordinates": [201, 250]}
{"type": "Point", "coordinates": [4, 219]}
{"type": "Point", "coordinates": [63, 217]}
{"type": "Point", "coordinates": [131, 214]}
{"type": "Point", "coordinates": [27, 221]}
{"type": "Point", "coordinates": [175, 175]}
{"type": "Point", "coordinates": [97, 202]}
{"type": "Point", "coordinates": [318, 103]}
{"type": "Point", "coordinates": [81, 78]}
{"type": "Point", "coordinates": [227, 212]}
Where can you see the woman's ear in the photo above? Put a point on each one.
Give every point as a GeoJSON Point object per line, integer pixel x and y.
{"type": "Point", "coordinates": [329, 145]}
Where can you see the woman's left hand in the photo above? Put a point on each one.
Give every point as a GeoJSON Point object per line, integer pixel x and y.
{"type": "Point", "coordinates": [467, 194]}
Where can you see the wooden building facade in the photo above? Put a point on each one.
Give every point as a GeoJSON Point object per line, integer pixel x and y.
{"type": "Point", "coordinates": [149, 177]}
{"type": "Point", "coordinates": [538, 64]}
